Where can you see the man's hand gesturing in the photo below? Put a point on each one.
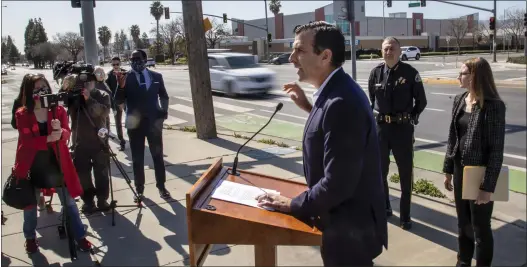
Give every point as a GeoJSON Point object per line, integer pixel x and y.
{"type": "Point", "coordinates": [298, 96]}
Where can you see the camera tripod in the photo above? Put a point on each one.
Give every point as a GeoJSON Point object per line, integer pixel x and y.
{"type": "Point", "coordinates": [107, 149]}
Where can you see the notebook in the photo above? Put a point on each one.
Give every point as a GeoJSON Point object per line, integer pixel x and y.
{"type": "Point", "coordinates": [473, 177]}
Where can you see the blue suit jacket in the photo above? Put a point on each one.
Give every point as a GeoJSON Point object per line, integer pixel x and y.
{"type": "Point", "coordinates": [143, 104]}
{"type": "Point", "coordinates": [342, 167]}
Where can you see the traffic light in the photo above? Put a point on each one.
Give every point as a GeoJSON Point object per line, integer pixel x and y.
{"type": "Point", "coordinates": [492, 23]}
{"type": "Point", "coordinates": [269, 37]}
{"type": "Point", "coordinates": [389, 3]}
{"type": "Point", "coordinates": [167, 13]}
{"type": "Point", "coordinates": [224, 17]}
{"type": "Point", "coordinates": [423, 3]}
{"type": "Point", "coordinates": [77, 3]}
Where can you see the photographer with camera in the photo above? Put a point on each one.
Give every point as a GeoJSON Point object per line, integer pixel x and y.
{"type": "Point", "coordinates": [89, 109]}
{"type": "Point", "coordinates": [42, 157]}
{"type": "Point", "coordinates": [142, 91]}
{"type": "Point", "coordinates": [112, 83]}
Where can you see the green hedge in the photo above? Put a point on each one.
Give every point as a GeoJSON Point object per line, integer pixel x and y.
{"type": "Point", "coordinates": [182, 60]}
{"type": "Point", "coordinates": [517, 60]}
{"type": "Point", "coordinates": [454, 53]}
{"type": "Point", "coordinates": [368, 56]}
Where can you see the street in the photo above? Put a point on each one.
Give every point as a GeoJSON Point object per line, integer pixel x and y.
{"type": "Point", "coordinates": [247, 114]}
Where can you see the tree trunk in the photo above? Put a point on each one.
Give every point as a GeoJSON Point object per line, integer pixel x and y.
{"type": "Point", "coordinates": [198, 65]}
{"type": "Point", "coordinates": [157, 36]}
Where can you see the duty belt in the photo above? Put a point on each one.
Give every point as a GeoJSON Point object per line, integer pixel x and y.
{"type": "Point", "coordinates": [399, 118]}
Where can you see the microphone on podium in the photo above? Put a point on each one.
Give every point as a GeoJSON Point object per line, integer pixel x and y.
{"type": "Point", "coordinates": [235, 164]}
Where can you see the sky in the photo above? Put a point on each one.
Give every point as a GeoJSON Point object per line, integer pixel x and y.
{"type": "Point", "coordinates": [60, 17]}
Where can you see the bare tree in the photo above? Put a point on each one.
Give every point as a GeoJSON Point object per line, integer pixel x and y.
{"type": "Point", "coordinates": [513, 25]}
{"type": "Point", "coordinates": [483, 33]}
{"type": "Point", "coordinates": [169, 33]}
{"type": "Point", "coordinates": [47, 51]}
{"type": "Point", "coordinates": [218, 33]}
{"type": "Point", "coordinates": [458, 29]}
{"type": "Point", "coordinates": [72, 42]}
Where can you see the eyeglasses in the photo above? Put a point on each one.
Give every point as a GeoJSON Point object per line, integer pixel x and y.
{"type": "Point", "coordinates": [98, 74]}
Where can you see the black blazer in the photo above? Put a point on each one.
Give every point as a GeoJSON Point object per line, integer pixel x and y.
{"type": "Point", "coordinates": [343, 172]}
{"type": "Point", "coordinates": [484, 142]}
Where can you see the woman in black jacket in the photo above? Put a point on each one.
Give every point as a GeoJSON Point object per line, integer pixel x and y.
{"type": "Point", "coordinates": [476, 138]}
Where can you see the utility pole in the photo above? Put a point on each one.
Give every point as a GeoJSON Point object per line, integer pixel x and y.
{"type": "Point", "coordinates": [198, 66]}
{"type": "Point", "coordinates": [90, 39]}
{"type": "Point", "coordinates": [495, 35]}
{"type": "Point", "coordinates": [351, 18]}
{"type": "Point", "coordinates": [266, 42]}
{"type": "Point", "coordinates": [383, 23]}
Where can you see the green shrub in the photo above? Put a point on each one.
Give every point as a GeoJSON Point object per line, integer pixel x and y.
{"type": "Point", "coordinates": [182, 60]}
{"type": "Point", "coordinates": [517, 60]}
{"type": "Point", "coordinates": [373, 56]}
{"type": "Point", "coordinates": [421, 186]}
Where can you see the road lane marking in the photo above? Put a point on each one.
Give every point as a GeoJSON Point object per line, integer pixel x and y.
{"type": "Point", "coordinates": [504, 154]}
{"type": "Point", "coordinates": [292, 116]}
{"type": "Point", "coordinates": [255, 102]}
{"type": "Point", "coordinates": [435, 109]}
{"type": "Point", "coordinates": [447, 94]}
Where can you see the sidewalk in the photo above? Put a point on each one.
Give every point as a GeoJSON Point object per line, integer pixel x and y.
{"type": "Point", "coordinates": [157, 235]}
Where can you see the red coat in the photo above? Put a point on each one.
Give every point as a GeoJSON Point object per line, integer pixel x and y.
{"type": "Point", "coordinates": [29, 144]}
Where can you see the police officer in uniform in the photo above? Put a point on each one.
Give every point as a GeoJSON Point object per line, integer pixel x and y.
{"type": "Point", "coordinates": [398, 97]}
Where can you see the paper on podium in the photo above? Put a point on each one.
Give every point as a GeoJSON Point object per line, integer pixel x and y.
{"type": "Point", "coordinates": [240, 193]}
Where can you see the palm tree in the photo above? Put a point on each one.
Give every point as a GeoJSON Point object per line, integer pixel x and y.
{"type": "Point", "coordinates": [156, 10]}
{"type": "Point", "coordinates": [134, 33]}
{"type": "Point", "coordinates": [274, 6]}
{"type": "Point", "coordinates": [104, 38]}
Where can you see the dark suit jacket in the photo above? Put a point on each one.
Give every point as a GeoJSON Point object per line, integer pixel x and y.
{"type": "Point", "coordinates": [485, 140]}
{"type": "Point", "coordinates": [141, 103]}
{"type": "Point", "coordinates": [342, 168]}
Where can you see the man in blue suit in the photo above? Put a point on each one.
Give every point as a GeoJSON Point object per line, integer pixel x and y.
{"type": "Point", "coordinates": [145, 96]}
{"type": "Point", "coordinates": [345, 196]}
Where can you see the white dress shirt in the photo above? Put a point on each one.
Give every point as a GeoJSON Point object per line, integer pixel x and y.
{"type": "Point", "coordinates": [319, 90]}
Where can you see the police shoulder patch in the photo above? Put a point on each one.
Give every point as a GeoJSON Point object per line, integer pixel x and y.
{"type": "Point", "coordinates": [418, 78]}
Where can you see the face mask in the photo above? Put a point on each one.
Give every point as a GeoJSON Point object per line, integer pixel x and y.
{"type": "Point", "coordinates": [138, 66]}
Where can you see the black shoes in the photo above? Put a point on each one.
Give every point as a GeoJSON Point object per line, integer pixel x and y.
{"type": "Point", "coordinates": [389, 212]}
{"type": "Point", "coordinates": [103, 205]}
{"type": "Point", "coordinates": [138, 198]}
{"type": "Point", "coordinates": [406, 225]}
{"type": "Point", "coordinates": [122, 145]}
{"type": "Point", "coordinates": [164, 194]}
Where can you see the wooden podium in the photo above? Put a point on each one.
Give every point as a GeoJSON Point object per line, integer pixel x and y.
{"type": "Point", "coordinates": [213, 221]}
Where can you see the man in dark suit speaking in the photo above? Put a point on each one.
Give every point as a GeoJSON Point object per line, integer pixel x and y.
{"type": "Point", "coordinates": [345, 199]}
{"type": "Point", "coordinates": [145, 96]}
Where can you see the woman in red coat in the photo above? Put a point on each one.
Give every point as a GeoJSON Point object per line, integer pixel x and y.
{"type": "Point", "coordinates": [38, 131]}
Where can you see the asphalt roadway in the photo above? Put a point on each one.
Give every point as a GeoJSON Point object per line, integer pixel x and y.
{"type": "Point", "coordinates": [247, 113]}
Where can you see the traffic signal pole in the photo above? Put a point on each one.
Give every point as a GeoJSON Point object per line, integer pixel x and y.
{"type": "Point", "coordinates": [266, 49]}
{"type": "Point", "coordinates": [495, 36]}
{"type": "Point", "coordinates": [90, 40]}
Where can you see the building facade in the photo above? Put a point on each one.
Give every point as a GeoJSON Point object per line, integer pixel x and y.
{"type": "Point", "coordinates": [396, 24]}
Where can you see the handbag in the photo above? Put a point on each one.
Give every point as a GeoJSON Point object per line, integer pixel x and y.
{"type": "Point", "coordinates": [19, 193]}
{"type": "Point", "coordinates": [45, 171]}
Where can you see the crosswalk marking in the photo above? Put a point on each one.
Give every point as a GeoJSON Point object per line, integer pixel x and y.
{"type": "Point", "coordinates": [283, 114]}
{"type": "Point", "coordinates": [255, 102]}
{"type": "Point", "coordinates": [182, 108]}
{"type": "Point", "coordinates": [447, 94]}
{"type": "Point", "coordinates": [264, 117]}
{"type": "Point", "coordinates": [221, 105]}
{"type": "Point", "coordinates": [171, 120]}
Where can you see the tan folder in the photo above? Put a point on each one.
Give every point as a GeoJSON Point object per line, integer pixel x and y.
{"type": "Point", "coordinates": [473, 177]}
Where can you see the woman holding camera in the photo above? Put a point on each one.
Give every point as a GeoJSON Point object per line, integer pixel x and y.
{"type": "Point", "coordinates": [40, 133]}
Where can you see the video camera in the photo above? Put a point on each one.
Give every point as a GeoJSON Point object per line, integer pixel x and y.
{"type": "Point", "coordinates": [84, 73]}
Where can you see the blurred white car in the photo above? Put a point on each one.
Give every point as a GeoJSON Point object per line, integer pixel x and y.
{"type": "Point", "coordinates": [410, 52]}
{"type": "Point", "coordinates": [239, 74]}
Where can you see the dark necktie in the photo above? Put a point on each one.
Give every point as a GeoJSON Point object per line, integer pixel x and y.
{"type": "Point", "coordinates": [142, 81]}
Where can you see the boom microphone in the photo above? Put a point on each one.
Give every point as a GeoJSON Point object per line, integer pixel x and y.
{"type": "Point", "coordinates": [235, 164]}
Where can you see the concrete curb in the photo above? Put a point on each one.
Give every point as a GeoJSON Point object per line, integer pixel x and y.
{"type": "Point", "coordinates": [512, 84]}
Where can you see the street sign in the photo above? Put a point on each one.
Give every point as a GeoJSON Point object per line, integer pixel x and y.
{"type": "Point", "coordinates": [347, 42]}
{"type": "Point", "coordinates": [357, 42]}
{"type": "Point", "coordinates": [206, 24]}
{"type": "Point", "coordinates": [414, 4]}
